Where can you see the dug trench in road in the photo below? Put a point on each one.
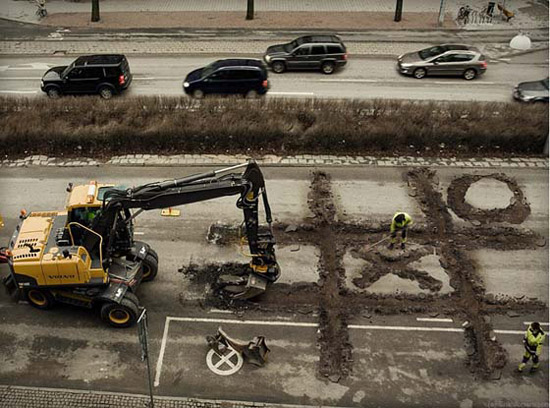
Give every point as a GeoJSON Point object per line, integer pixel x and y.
{"type": "Point", "coordinates": [337, 305]}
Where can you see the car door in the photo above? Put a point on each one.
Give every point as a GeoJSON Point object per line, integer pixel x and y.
{"type": "Point", "coordinates": [83, 79]}
{"type": "Point", "coordinates": [441, 65]}
{"type": "Point", "coordinates": [300, 57]}
{"type": "Point", "coordinates": [461, 62]}
{"type": "Point", "coordinates": [317, 56]}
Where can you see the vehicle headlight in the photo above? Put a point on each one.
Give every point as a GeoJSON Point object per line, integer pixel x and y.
{"type": "Point", "coordinates": [405, 65]}
{"type": "Point", "coordinates": [186, 84]}
{"type": "Point", "coordinates": [267, 58]}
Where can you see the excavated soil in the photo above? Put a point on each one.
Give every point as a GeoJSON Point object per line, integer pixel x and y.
{"type": "Point", "coordinates": [515, 213]}
{"type": "Point", "coordinates": [335, 304]}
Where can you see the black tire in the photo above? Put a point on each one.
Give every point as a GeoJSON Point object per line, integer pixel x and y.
{"type": "Point", "coordinates": [252, 94]}
{"type": "Point", "coordinates": [120, 315]}
{"type": "Point", "coordinates": [39, 298]}
{"type": "Point", "coordinates": [419, 73]}
{"type": "Point", "coordinates": [198, 94]}
{"type": "Point", "coordinates": [150, 267]}
{"type": "Point", "coordinates": [53, 92]}
{"type": "Point", "coordinates": [278, 67]}
{"type": "Point", "coordinates": [154, 254]}
{"type": "Point", "coordinates": [106, 92]}
{"type": "Point", "coordinates": [469, 74]}
{"type": "Point", "coordinates": [327, 68]}
{"type": "Point", "coordinates": [132, 297]}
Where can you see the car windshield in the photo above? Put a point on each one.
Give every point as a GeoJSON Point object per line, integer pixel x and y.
{"type": "Point", "coordinates": [209, 69]}
{"type": "Point", "coordinates": [66, 70]}
{"type": "Point", "coordinates": [431, 52]}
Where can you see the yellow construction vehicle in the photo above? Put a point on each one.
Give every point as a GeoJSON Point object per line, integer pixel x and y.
{"type": "Point", "coordinates": [86, 255]}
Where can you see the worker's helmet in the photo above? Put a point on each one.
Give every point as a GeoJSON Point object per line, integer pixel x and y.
{"type": "Point", "coordinates": [535, 326]}
{"type": "Point", "coordinates": [400, 218]}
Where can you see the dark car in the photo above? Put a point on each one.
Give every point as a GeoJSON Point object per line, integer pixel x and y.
{"type": "Point", "coordinates": [247, 77]}
{"type": "Point", "coordinates": [313, 52]}
{"type": "Point", "coordinates": [446, 59]}
{"type": "Point", "coordinates": [534, 91]}
{"type": "Point", "coordinates": [106, 75]}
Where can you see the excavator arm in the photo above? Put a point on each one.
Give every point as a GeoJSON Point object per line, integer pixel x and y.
{"type": "Point", "coordinates": [114, 221]}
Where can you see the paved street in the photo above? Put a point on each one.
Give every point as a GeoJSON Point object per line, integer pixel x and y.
{"type": "Point", "coordinates": [361, 78]}
{"type": "Point", "coordinates": [424, 364]}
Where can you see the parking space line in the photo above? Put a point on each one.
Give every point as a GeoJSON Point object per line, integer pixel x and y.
{"type": "Point", "coordinates": [292, 93]}
{"type": "Point", "coordinates": [162, 349]}
{"type": "Point", "coordinates": [542, 324]}
{"type": "Point", "coordinates": [19, 92]}
{"type": "Point", "coordinates": [304, 324]}
{"type": "Point", "coordinates": [433, 319]}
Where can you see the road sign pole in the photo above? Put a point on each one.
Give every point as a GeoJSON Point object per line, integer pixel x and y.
{"type": "Point", "coordinates": [441, 12]}
{"type": "Point", "coordinates": [142, 331]}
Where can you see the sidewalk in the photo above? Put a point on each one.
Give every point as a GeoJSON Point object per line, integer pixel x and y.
{"type": "Point", "coordinates": [270, 14]}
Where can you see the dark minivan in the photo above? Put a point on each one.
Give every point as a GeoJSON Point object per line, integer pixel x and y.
{"type": "Point", "coordinates": [246, 77]}
{"type": "Point", "coordinates": [105, 75]}
{"type": "Point", "coordinates": [313, 52]}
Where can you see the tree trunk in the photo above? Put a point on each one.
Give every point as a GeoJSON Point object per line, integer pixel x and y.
{"type": "Point", "coordinates": [250, 9]}
{"type": "Point", "coordinates": [95, 11]}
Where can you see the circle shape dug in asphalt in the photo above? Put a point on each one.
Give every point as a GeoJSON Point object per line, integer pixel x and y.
{"type": "Point", "coordinates": [229, 363]}
{"type": "Point", "coordinates": [515, 212]}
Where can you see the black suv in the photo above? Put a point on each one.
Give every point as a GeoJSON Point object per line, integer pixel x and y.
{"type": "Point", "coordinates": [324, 52]}
{"type": "Point", "coordinates": [105, 75]}
{"type": "Point", "coordinates": [247, 77]}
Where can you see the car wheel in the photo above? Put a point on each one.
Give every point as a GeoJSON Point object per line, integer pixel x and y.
{"type": "Point", "coordinates": [53, 92]}
{"type": "Point", "coordinates": [41, 299]}
{"type": "Point", "coordinates": [278, 67]}
{"type": "Point", "coordinates": [327, 68]}
{"type": "Point", "coordinates": [252, 94]}
{"type": "Point", "coordinates": [198, 94]}
{"type": "Point", "coordinates": [105, 92]}
{"type": "Point", "coordinates": [419, 73]}
{"type": "Point", "coordinates": [470, 74]}
{"type": "Point", "coordinates": [150, 268]}
{"type": "Point", "coordinates": [123, 314]}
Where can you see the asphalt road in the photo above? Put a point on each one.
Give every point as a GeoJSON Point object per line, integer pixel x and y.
{"type": "Point", "coordinates": [362, 78]}
{"type": "Point", "coordinates": [398, 360]}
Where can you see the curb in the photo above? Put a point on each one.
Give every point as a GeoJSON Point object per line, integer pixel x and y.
{"type": "Point", "coordinates": [303, 160]}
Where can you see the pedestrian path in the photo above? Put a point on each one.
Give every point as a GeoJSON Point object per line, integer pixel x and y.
{"type": "Point", "coordinates": [528, 13]}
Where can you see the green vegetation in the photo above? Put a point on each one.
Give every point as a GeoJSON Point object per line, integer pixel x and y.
{"type": "Point", "coordinates": [88, 126]}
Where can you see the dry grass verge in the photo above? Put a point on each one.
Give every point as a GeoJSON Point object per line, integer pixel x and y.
{"type": "Point", "coordinates": [92, 127]}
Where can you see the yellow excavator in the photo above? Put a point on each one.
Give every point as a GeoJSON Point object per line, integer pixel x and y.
{"type": "Point", "coordinates": [86, 255]}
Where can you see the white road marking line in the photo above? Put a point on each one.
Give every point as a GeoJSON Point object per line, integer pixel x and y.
{"type": "Point", "coordinates": [542, 324]}
{"type": "Point", "coordinates": [139, 233]}
{"type": "Point", "coordinates": [20, 78]}
{"type": "Point", "coordinates": [233, 321]}
{"type": "Point", "coordinates": [19, 92]}
{"type": "Point", "coordinates": [220, 311]}
{"type": "Point", "coordinates": [433, 319]}
{"type": "Point", "coordinates": [162, 349]}
{"type": "Point", "coordinates": [291, 93]}
{"type": "Point", "coordinates": [509, 331]}
{"type": "Point", "coordinates": [406, 328]}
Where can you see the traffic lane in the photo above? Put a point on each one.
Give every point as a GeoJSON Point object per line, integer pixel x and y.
{"type": "Point", "coordinates": [152, 77]}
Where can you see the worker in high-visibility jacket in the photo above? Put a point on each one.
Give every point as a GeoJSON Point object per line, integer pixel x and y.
{"type": "Point", "coordinates": [532, 342]}
{"type": "Point", "coordinates": [400, 222]}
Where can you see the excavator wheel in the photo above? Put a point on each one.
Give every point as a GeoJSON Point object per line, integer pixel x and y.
{"type": "Point", "coordinates": [150, 267]}
{"type": "Point", "coordinates": [41, 299]}
{"type": "Point", "coordinates": [131, 296]}
{"type": "Point", "coordinates": [120, 315]}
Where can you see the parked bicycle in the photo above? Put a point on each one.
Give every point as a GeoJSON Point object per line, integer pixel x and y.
{"type": "Point", "coordinates": [464, 14]}
{"type": "Point", "coordinates": [41, 11]}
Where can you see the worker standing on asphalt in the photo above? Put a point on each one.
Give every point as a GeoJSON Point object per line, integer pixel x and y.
{"type": "Point", "coordinates": [399, 222]}
{"type": "Point", "coordinates": [532, 341]}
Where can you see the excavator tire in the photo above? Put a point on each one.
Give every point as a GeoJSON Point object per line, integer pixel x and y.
{"type": "Point", "coordinates": [120, 315]}
{"type": "Point", "coordinates": [150, 267]}
{"type": "Point", "coordinates": [132, 296]}
{"type": "Point", "coordinates": [39, 298]}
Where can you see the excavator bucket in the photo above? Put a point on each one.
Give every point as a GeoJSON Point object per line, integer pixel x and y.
{"type": "Point", "coordinates": [254, 351]}
{"type": "Point", "coordinates": [237, 289]}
